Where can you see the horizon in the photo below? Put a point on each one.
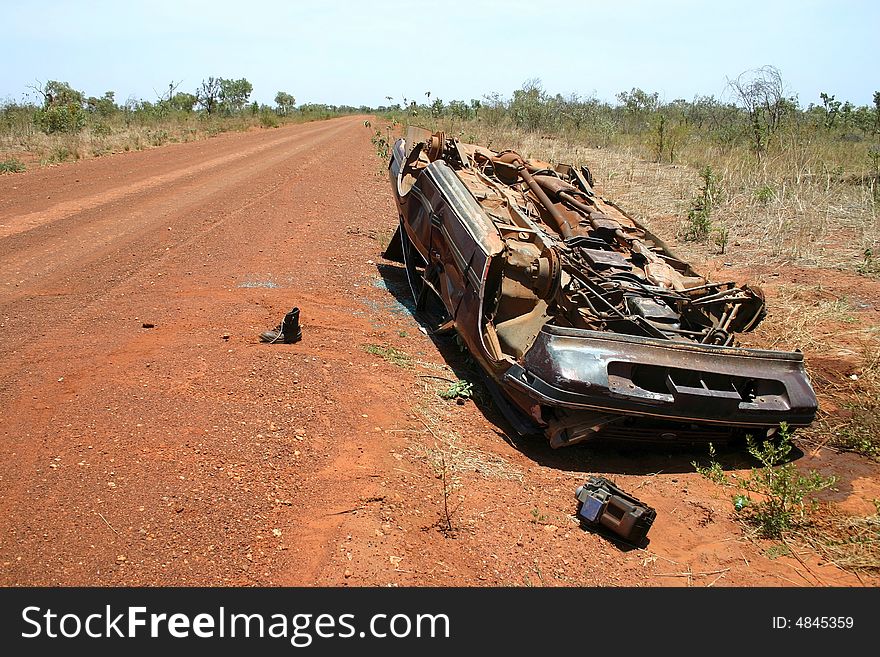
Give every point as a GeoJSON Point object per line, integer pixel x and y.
{"type": "Point", "coordinates": [348, 54]}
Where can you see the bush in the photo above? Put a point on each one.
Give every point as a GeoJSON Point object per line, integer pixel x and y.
{"type": "Point", "coordinates": [781, 492]}
{"type": "Point", "coordinates": [699, 223]}
{"type": "Point", "coordinates": [269, 120]}
{"type": "Point", "coordinates": [68, 118]}
{"type": "Point", "coordinates": [765, 194]}
{"type": "Point", "coordinates": [11, 165]}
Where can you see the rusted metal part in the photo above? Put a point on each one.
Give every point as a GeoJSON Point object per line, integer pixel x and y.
{"type": "Point", "coordinates": [584, 322]}
{"type": "Point", "coordinates": [601, 504]}
{"type": "Point", "coordinates": [514, 159]}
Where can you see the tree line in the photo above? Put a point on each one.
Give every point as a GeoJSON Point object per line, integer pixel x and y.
{"type": "Point", "coordinates": [755, 115]}
{"type": "Point", "coordinates": [60, 108]}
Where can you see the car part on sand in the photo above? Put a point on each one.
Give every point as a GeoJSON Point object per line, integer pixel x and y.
{"type": "Point", "coordinates": [584, 322]}
{"type": "Point", "coordinates": [602, 504]}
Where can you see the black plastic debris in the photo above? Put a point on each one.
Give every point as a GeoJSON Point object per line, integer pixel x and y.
{"type": "Point", "coordinates": [601, 504]}
{"type": "Point", "coordinates": [287, 332]}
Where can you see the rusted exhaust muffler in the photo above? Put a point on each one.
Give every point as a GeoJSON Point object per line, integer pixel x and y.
{"type": "Point", "coordinates": [514, 159]}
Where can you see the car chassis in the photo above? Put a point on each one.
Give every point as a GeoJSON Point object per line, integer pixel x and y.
{"type": "Point", "coordinates": [585, 324]}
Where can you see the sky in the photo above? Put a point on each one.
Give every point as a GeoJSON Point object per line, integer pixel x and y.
{"type": "Point", "coordinates": [357, 53]}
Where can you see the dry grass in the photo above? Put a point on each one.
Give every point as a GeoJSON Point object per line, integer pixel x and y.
{"type": "Point", "coordinates": [859, 428]}
{"type": "Point", "coordinates": [849, 542]}
{"type": "Point", "coordinates": [842, 355]}
{"type": "Point", "coordinates": [805, 203]}
{"type": "Point", "coordinates": [441, 448]}
{"type": "Point", "coordinates": [808, 317]}
{"type": "Point", "coordinates": [25, 141]}
{"type": "Point", "coordinates": [445, 446]}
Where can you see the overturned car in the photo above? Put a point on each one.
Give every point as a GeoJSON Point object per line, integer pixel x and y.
{"type": "Point", "coordinates": [585, 324]}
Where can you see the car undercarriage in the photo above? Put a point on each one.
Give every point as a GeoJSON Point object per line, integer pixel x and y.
{"type": "Point", "coordinates": [584, 323]}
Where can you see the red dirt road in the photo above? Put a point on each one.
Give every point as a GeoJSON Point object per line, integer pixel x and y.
{"type": "Point", "coordinates": [190, 454]}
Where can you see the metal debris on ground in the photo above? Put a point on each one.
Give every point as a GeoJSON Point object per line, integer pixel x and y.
{"type": "Point", "coordinates": [586, 324]}
{"type": "Point", "coordinates": [602, 504]}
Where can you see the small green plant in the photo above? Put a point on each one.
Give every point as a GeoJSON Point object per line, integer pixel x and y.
{"type": "Point", "coordinates": [59, 154]}
{"type": "Point", "coordinates": [721, 236]}
{"type": "Point", "coordinates": [782, 492]}
{"type": "Point", "coordinates": [777, 550]}
{"type": "Point", "coordinates": [382, 142]}
{"type": "Point", "coordinates": [699, 222]}
{"type": "Point", "coordinates": [389, 354]}
{"type": "Point", "coordinates": [861, 432]}
{"type": "Point", "coordinates": [459, 390]}
{"type": "Point", "coordinates": [765, 194]}
{"type": "Point", "coordinates": [11, 165]}
{"type": "Point", "coordinates": [713, 471]}
{"type": "Point", "coordinates": [159, 137]}
{"type": "Point", "coordinates": [869, 264]}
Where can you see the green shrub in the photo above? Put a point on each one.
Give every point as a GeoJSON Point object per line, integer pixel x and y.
{"type": "Point", "coordinates": [269, 120]}
{"type": "Point", "coordinates": [765, 194]}
{"type": "Point", "coordinates": [713, 471]}
{"type": "Point", "coordinates": [11, 165]}
{"type": "Point", "coordinates": [60, 153]}
{"type": "Point", "coordinates": [783, 492]}
{"type": "Point", "coordinates": [459, 390]}
{"type": "Point", "coordinates": [68, 118]}
{"type": "Point", "coordinates": [699, 222]}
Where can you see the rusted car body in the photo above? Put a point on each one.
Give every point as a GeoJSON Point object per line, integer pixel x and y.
{"type": "Point", "coordinates": [585, 323]}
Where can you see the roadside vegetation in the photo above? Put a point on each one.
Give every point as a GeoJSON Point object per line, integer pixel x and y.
{"type": "Point", "coordinates": [787, 181]}
{"type": "Point", "coordinates": [780, 502]}
{"type": "Point", "coordinates": [57, 122]}
{"type": "Point", "coordinates": [775, 498]}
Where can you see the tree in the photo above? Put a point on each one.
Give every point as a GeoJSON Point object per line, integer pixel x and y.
{"type": "Point", "coordinates": [103, 106]}
{"type": "Point", "coordinates": [59, 93]}
{"type": "Point", "coordinates": [638, 101]}
{"type": "Point", "coordinates": [62, 109]}
{"type": "Point", "coordinates": [762, 93]}
{"type": "Point", "coordinates": [528, 104]}
{"type": "Point", "coordinates": [234, 94]}
{"type": "Point", "coordinates": [638, 105]}
{"type": "Point", "coordinates": [208, 95]}
{"type": "Point", "coordinates": [877, 111]}
{"type": "Point", "coordinates": [285, 102]}
{"type": "Point", "coordinates": [832, 109]}
{"type": "Point", "coordinates": [183, 101]}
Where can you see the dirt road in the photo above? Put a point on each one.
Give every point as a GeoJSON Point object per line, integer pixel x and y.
{"type": "Point", "coordinates": [149, 438]}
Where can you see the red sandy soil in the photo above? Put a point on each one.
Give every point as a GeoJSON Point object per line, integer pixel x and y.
{"type": "Point", "coordinates": [189, 453]}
